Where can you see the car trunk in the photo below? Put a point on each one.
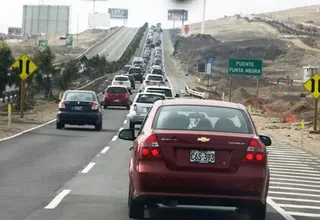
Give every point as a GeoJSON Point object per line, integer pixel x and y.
{"type": "Point", "coordinates": [143, 107]}
{"type": "Point", "coordinates": [115, 95]}
{"type": "Point", "coordinates": [78, 106]}
{"type": "Point", "coordinates": [204, 151]}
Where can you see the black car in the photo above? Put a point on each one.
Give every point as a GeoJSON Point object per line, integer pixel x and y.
{"type": "Point", "coordinates": [79, 107]}
{"type": "Point", "coordinates": [132, 80]}
{"type": "Point", "coordinates": [137, 73]}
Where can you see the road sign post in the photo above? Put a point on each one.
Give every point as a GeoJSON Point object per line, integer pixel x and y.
{"type": "Point", "coordinates": [209, 69]}
{"type": "Point", "coordinates": [313, 87]}
{"type": "Point", "coordinates": [26, 67]}
{"type": "Point", "coordinates": [245, 67]}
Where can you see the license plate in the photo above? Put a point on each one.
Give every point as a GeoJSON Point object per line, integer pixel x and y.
{"type": "Point", "coordinates": [197, 156]}
{"type": "Point", "coordinates": [116, 100]}
{"type": "Point", "coordinates": [78, 108]}
{"type": "Point", "coordinates": [120, 83]}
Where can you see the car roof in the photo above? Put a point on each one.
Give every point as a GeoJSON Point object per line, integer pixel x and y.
{"type": "Point", "coordinates": [121, 76]}
{"type": "Point", "coordinates": [150, 93]}
{"type": "Point", "coordinates": [117, 86]}
{"type": "Point", "coordinates": [204, 102]}
{"type": "Point", "coordinates": [82, 91]}
{"type": "Point", "coordinates": [157, 87]}
{"type": "Point", "coordinates": [154, 75]}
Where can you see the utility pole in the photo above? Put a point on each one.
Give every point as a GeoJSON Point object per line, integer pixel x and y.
{"type": "Point", "coordinates": [203, 16]}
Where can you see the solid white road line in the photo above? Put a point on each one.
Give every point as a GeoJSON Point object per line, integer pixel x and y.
{"type": "Point", "coordinates": [293, 194]}
{"type": "Point", "coordinates": [88, 167]}
{"type": "Point", "coordinates": [125, 122]}
{"type": "Point", "coordinates": [294, 180]}
{"type": "Point", "coordinates": [114, 138]}
{"type": "Point", "coordinates": [298, 206]}
{"type": "Point", "coordinates": [31, 129]}
{"type": "Point", "coordinates": [303, 214]}
{"type": "Point", "coordinates": [279, 209]}
{"type": "Point", "coordinates": [294, 188]}
{"type": "Point", "coordinates": [105, 150]}
{"type": "Point", "coordinates": [294, 199]}
{"type": "Point", "coordinates": [294, 184]}
{"type": "Point", "coordinates": [56, 201]}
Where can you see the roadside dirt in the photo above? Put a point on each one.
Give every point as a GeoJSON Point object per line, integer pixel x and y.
{"type": "Point", "coordinates": [281, 105]}
{"type": "Point", "coordinates": [81, 43]}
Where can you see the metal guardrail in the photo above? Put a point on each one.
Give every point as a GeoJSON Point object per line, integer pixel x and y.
{"type": "Point", "coordinates": [202, 95]}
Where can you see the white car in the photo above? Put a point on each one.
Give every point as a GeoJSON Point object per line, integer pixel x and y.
{"type": "Point", "coordinates": [156, 71]}
{"type": "Point", "coordinates": [154, 79]}
{"type": "Point", "coordinates": [141, 105]}
{"type": "Point", "coordinates": [122, 80]}
{"type": "Point", "coordinates": [167, 91]}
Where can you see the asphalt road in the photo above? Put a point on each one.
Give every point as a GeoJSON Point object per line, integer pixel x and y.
{"type": "Point", "coordinates": [80, 174]}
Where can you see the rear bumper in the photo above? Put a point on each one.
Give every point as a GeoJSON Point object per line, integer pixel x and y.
{"type": "Point", "coordinates": [155, 183]}
{"type": "Point", "coordinates": [113, 103]}
{"type": "Point", "coordinates": [77, 118]}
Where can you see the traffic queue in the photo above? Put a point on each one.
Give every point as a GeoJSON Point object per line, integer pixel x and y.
{"type": "Point", "coordinates": [187, 151]}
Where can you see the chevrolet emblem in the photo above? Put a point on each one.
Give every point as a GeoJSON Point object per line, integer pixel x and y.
{"type": "Point", "coordinates": [203, 139]}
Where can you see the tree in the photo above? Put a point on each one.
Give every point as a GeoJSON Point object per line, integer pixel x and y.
{"type": "Point", "coordinates": [46, 70]}
{"type": "Point", "coordinates": [6, 60]}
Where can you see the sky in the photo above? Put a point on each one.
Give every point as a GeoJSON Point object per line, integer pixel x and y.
{"type": "Point", "coordinates": [141, 11]}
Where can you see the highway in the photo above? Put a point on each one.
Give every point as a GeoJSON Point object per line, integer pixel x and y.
{"type": "Point", "coordinates": [80, 174]}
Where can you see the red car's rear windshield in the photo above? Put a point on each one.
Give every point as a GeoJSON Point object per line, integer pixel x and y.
{"type": "Point", "coordinates": [202, 118]}
{"type": "Point", "coordinates": [117, 90]}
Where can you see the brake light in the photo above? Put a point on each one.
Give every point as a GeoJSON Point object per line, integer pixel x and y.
{"type": "Point", "coordinates": [95, 106]}
{"type": "Point", "coordinates": [106, 94]}
{"type": "Point", "coordinates": [256, 151]}
{"type": "Point", "coordinates": [150, 148]}
{"type": "Point", "coordinates": [127, 95]}
{"type": "Point", "coordinates": [62, 104]}
{"type": "Point", "coordinates": [135, 107]}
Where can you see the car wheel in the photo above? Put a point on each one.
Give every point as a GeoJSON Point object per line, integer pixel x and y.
{"type": "Point", "coordinates": [131, 125]}
{"type": "Point", "coordinates": [141, 81]}
{"type": "Point", "coordinates": [258, 212]}
{"type": "Point", "coordinates": [128, 107]}
{"type": "Point", "coordinates": [59, 125]}
{"type": "Point", "coordinates": [98, 126]}
{"type": "Point", "coordinates": [136, 209]}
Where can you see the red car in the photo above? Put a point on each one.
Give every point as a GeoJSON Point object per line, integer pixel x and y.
{"type": "Point", "coordinates": [117, 96]}
{"type": "Point", "coordinates": [198, 152]}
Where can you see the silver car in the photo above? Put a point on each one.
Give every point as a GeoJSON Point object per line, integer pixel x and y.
{"type": "Point", "coordinates": [141, 105]}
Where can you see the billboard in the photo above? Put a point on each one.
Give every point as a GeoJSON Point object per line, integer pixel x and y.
{"type": "Point", "coordinates": [14, 31]}
{"type": "Point", "coordinates": [118, 13]}
{"type": "Point", "coordinates": [177, 15]}
{"type": "Point", "coordinates": [46, 19]}
{"type": "Point", "coordinates": [99, 20]}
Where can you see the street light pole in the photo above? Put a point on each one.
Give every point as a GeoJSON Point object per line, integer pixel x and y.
{"type": "Point", "coordinates": [203, 16]}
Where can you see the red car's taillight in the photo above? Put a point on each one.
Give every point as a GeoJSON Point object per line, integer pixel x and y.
{"type": "Point", "coordinates": [62, 105]}
{"type": "Point", "coordinates": [256, 152]}
{"type": "Point", "coordinates": [106, 94]}
{"type": "Point", "coordinates": [134, 106]}
{"type": "Point", "coordinates": [95, 106]}
{"type": "Point", "coordinates": [127, 95]}
{"type": "Point", "coordinates": [150, 148]}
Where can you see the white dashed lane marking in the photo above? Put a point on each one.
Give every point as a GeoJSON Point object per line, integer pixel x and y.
{"type": "Point", "coordinates": [294, 181]}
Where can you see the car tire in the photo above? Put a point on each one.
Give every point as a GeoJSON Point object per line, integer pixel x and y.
{"type": "Point", "coordinates": [258, 212]}
{"type": "Point", "coordinates": [59, 125]}
{"type": "Point", "coordinates": [98, 126]}
{"type": "Point", "coordinates": [136, 208]}
{"type": "Point", "coordinates": [131, 125]}
{"type": "Point", "coordinates": [141, 81]}
{"type": "Point", "coordinates": [128, 107]}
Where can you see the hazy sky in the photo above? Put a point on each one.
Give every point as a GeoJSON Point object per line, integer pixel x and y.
{"type": "Point", "coordinates": [141, 11]}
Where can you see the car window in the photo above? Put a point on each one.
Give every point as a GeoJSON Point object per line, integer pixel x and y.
{"type": "Point", "coordinates": [156, 71]}
{"type": "Point", "coordinates": [117, 90]}
{"type": "Point", "coordinates": [149, 98]}
{"type": "Point", "coordinates": [155, 78]}
{"type": "Point", "coordinates": [167, 92]}
{"type": "Point", "coordinates": [135, 70]}
{"type": "Point", "coordinates": [121, 78]}
{"type": "Point", "coordinates": [80, 96]}
{"type": "Point", "coordinates": [211, 118]}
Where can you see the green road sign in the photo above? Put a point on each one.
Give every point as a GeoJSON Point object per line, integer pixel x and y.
{"type": "Point", "coordinates": [69, 41]}
{"type": "Point", "coordinates": [43, 45]}
{"type": "Point", "coordinates": [245, 67]}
